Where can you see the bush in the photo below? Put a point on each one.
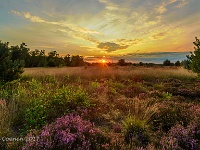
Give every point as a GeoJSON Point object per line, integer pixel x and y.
{"type": "Point", "coordinates": [136, 132]}
{"type": "Point", "coordinates": [39, 103]}
{"type": "Point", "coordinates": [70, 133]}
{"type": "Point", "coordinates": [171, 113]}
{"type": "Point", "coordinates": [182, 138]}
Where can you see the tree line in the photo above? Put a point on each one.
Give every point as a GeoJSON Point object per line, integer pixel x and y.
{"type": "Point", "coordinates": [14, 58]}
{"type": "Point", "coordinates": [166, 62]}
{"type": "Point", "coordinates": [38, 58]}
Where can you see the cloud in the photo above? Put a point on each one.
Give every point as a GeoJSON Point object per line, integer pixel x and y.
{"type": "Point", "coordinates": [162, 8]}
{"type": "Point", "coordinates": [167, 31]}
{"type": "Point", "coordinates": [71, 30]}
{"type": "Point", "coordinates": [182, 3]}
{"type": "Point", "coordinates": [160, 35]}
{"type": "Point", "coordinates": [109, 5]}
{"type": "Point", "coordinates": [110, 47]}
{"type": "Point", "coordinates": [129, 42]}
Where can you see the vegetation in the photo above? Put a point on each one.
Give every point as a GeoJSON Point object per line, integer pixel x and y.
{"type": "Point", "coordinates": [96, 107]}
{"type": "Point", "coordinates": [11, 65]}
{"type": "Point", "coordinates": [167, 62]}
{"type": "Point", "coordinates": [115, 108]}
{"type": "Point", "coordinates": [194, 59]}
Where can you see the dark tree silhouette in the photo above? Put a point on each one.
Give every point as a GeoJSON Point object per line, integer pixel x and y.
{"type": "Point", "coordinates": [194, 58]}
{"type": "Point", "coordinates": [177, 63]}
{"type": "Point", "coordinates": [9, 69]}
{"type": "Point", "coordinates": [77, 61]}
{"type": "Point", "coordinates": [167, 62]}
{"type": "Point", "coordinates": [121, 62]}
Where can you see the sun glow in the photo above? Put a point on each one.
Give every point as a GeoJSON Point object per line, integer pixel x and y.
{"type": "Point", "coordinates": [103, 61]}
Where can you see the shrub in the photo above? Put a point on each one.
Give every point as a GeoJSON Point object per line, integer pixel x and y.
{"type": "Point", "coordinates": [171, 113]}
{"type": "Point", "coordinates": [39, 103]}
{"type": "Point", "coordinates": [136, 132]}
{"type": "Point", "coordinates": [182, 138]}
{"type": "Point", "coordinates": [70, 132]}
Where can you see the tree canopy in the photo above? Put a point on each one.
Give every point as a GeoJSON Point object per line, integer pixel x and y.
{"type": "Point", "coordinates": [194, 59]}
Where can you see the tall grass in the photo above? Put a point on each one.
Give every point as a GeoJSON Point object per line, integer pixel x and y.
{"type": "Point", "coordinates": [135, 73]}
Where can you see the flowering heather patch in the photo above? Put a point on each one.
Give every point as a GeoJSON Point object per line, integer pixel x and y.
{"type": "Point", "coordinates": [182, 138]}
{"type": "Point", "coordinates": [67, 133]}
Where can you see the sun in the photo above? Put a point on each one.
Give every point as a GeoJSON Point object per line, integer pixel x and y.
{"type": "Point", "coordinates": [103, 61]}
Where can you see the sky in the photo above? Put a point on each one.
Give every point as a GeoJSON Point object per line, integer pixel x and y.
{"type": "Point", "coordinates": [135, 30]}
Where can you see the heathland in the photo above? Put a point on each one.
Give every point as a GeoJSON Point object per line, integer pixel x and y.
{"type": "Point", "coordinates": [102, 107]}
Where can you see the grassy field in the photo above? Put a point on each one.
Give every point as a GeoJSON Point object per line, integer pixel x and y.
{"type": "Point", "coordinates": [135, 108]}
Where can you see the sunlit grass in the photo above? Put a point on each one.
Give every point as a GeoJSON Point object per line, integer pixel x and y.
{"type": "Point", "coordinates": [140, 73]}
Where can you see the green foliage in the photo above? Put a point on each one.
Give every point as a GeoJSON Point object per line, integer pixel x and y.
{"type": "Point", "coordinates": [40, 102]}
{"type": "Point", "coordinates": [94, 85]}
{"type": "Point", "coordinates": [35, 115]}
{"type": "Point", "coordinates": [136, 132]}
{"type": "Point", "coordinates": [185, 63]}
{"type": "Point", "coordinates": [9, 69]}
{"type": "Point", "coordinates": [194, 58]}
{"type": "Point", "coordinates": [167, 95]}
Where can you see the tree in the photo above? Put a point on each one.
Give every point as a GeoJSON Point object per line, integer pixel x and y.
{"type": "Point", "coordinates": [185, 63]}
{"type": "Point", "coordinates": [77, 61]}
{"type": "Point", "coordinates": [67, 60]}
{"type": "Point", "coordinates": [194, 58]}
{"type": "Point", "coordinates": [9, 69]}
{"type": "Point", "coordinates": [178, 63]}
{"type": "Point", "coordinates": [38, 58]}
{"type": "Point", "coordinates": [21, 53]}
{"type": "Point", "coordinates": [166, 62]}
{"type": "Point", "coordinates": [121, 62]}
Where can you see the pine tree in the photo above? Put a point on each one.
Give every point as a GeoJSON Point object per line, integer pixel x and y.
{"type": "Point", "coordinates": [194, 58]}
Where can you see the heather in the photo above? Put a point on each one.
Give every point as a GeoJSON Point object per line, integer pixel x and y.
{"type": "Point", "coordinates": [101, 108]}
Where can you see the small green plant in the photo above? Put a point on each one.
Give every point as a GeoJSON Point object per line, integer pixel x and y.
{"type": "Point", "coordinates": [35, 115]}
{"type": "Point", "coordinates": [94, 85]}
{"type": "Point", "coordinates": [167, 95]}
{"type": "Point", "coordinates": [136, 131]}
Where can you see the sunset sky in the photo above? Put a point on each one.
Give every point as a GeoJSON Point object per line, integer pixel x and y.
{"type": "Point", "coordinates": [137, 30]}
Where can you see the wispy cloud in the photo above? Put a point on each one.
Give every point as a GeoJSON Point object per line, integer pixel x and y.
{"type": "Point", "coordinates": [162, 8]}
{"type": "Point", "coordinates": [110, 6]}
{"type": "Point", "coordinates": [71, 30]}
{"type": "Point", "coordinates": [163, 33]}
{"type": "Point", "coordinates": [182, 3]}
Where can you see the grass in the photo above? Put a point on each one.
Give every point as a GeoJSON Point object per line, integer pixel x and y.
{"type": "Point", "coordinates": [133, 107]}
{"type": "Point", "coordinates": [137, 73]}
